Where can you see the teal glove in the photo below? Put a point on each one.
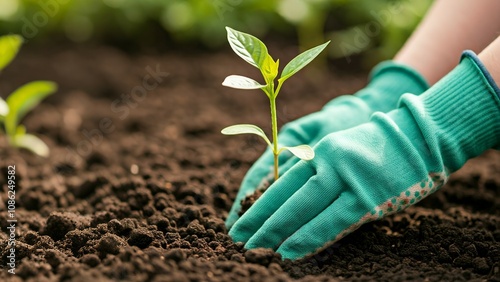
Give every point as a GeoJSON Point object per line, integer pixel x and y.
{"type": "Point", "coordinates": [378, 168]}
{"type": "Point", "coordinates": [388, 82]}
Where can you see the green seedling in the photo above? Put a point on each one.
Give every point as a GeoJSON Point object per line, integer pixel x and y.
{"type": "Point", "coordinates": [254, 52]}
{"type": "Point", "coordinates": [21, 101]}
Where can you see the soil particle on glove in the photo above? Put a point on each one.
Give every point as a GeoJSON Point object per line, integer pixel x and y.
{"type": "Point", "coordinates": [249, 200]}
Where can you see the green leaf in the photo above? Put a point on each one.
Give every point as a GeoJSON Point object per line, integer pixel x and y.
{"type": "Point", "coordinates": [303, 152]}
{"type": "Point", "coordinates": [301, 61]}
{"type": "Point", "coordinates": [9, 46]}
{"type": "Point", "coordinates": [270, 69]}
{"type": "Point", "coordinates": [248, 47]}
{"type": "Point", "coordinates": [32, 143]}
{"type": "Point", "coordinates": [24, 99]}
{"type": "Point", "coordinates": [246, 129]}
{"type": "Point", "coordinates": [4, 108]}
{"type": "Point", "coordinates": [241, 82]}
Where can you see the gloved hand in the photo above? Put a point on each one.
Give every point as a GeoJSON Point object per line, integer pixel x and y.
{"type": "Point", "coordinates": [388, 82]}
{"type": "Point", "coordinates": [377, 168]}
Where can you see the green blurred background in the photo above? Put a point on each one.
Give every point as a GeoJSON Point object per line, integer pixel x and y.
{"type": "Point", "coordinates": [367, 30]}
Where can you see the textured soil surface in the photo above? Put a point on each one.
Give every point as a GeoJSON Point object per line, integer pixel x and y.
{"type": "Point", "coordinates": [137, 187]}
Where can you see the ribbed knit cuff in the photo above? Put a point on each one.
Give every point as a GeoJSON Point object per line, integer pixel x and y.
{"type": "Point", "coordinates": [461, 112]}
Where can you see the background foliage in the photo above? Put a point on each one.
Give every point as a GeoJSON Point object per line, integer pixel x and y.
{"type": "Point", "coordinates": [375, 29]}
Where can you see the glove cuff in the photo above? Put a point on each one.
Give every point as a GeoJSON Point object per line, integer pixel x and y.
{"type": "Point", "coordinates": [460, 114]}
{"type": "Point", "coordinates": [388, 81]}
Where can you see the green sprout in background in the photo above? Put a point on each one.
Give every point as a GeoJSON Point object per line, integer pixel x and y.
{"type": "Point", "coordinates": [21, 101]}
{"type": "Point", "coordinates": [254, 52]}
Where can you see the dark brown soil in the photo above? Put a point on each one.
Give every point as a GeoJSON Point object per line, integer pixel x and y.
{"type": "Point", "coordinates": [147, 200]}
{"type": "Point", "coordinates": [249, 200]}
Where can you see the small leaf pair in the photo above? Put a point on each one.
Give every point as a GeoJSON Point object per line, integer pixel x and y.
{"type": "Point", "coordinates": [255, 52]}
{"type": "Point", "coordinates": [21, 101]}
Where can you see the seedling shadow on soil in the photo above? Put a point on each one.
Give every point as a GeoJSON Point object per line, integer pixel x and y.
{"type": "Point", "coordinates": [148, 201]}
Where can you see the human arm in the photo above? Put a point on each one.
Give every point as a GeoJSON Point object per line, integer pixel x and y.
{"type": "Point", "coordinates": [449, 27]}
{"type": "Point", "coordinates": [491, 58]}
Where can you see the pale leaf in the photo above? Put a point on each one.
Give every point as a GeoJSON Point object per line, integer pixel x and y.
{"type": "Point", "coordinates": [303, 152]}
{"type": "Point", "coordinates": [241, 82]}
{"type": "Point", "coordinates": [246, 129]}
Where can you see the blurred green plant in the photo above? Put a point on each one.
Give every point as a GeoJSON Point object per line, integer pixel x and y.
{"type": "Point", "coordinates": [21, 101]}
{"type": "Point", "coordinates": [376, 29]}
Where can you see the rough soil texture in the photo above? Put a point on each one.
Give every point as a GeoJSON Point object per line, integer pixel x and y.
{"type": "Point", "coordinates": [249, 200]}
{"type": "Point", "coordinates": [147, 201]}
